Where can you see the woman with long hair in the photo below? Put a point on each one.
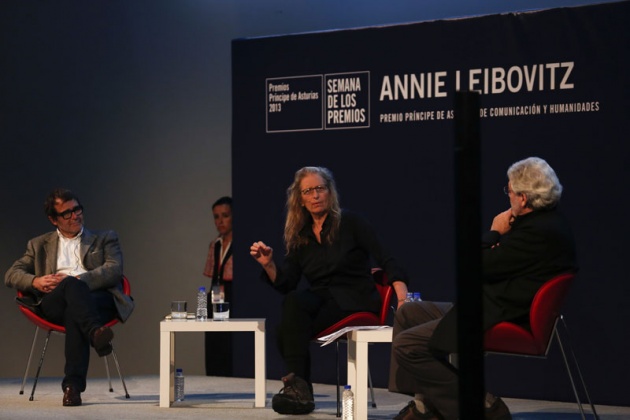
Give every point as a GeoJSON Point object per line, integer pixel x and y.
{"type": "Point", "coordinates": [333, 250]}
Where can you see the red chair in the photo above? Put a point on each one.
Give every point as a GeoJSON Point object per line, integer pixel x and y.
{"type": "Point", "coordinates": [49, 327]}
{"type": "Point", "coordinates": [510, 339]}
{"type": "Point", "coordinates": [363, 319]}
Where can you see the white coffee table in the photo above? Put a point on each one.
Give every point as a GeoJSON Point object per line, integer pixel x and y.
{"type": "Point", "coordinates": [168, 328]}
{"type": "Point", "coordinates": [358, 341]}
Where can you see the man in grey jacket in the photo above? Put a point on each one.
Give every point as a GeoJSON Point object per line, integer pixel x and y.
{"type": "Point", "coordinates": [74, 277]}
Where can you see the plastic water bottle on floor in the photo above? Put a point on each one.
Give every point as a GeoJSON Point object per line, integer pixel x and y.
{"type": "Point", "coordinates": [416, 297]}
{"type": "Point", "coordinates": [179, 385]}
{"type": "Point", "coordinates": [409, 297]}
{"type": "Point", "coordinates": [202, 304]}
{"type": "Point", "coordinates": [347, 398]}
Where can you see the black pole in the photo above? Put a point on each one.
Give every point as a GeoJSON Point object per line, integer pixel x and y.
{"type": "Point", "coordinates": [468, 255]}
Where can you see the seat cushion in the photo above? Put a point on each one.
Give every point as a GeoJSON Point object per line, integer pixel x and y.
{"type": "Point", "coordinates": [506, 337]}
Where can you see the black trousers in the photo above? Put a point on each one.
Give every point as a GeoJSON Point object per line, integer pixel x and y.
{"type": "Point", "coordinates": [219, 344]}
{"type": "Point", "coordinates": [79, 310]}
{"type": "Point", "coordinates": [304, 314]}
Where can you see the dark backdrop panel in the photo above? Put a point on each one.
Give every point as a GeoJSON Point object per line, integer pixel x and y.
{"type": "Point", "coordinates": [400, 174]}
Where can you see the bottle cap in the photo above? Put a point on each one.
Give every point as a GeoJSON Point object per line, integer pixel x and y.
{"type": "Point", "coordinates": [178, 370]}
{"type": "Point", "coordinates": [347, 387]}
{"type": "Point", "coordinates": [202, 289]}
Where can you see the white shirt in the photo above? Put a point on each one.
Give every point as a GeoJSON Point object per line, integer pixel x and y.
{"type": "Point", "coordinates": [69, 255]}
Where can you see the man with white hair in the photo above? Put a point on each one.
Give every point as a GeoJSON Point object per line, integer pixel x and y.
{"type": "Point", "coordinates": [527, 244]}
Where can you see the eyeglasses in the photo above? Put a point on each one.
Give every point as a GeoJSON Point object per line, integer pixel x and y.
{"type": "Point", "coordinates": [320, 189]}
{"type": "Point", "coordinates": [78, 211]}
{"type": "Point", "coordinates": [507, 190]}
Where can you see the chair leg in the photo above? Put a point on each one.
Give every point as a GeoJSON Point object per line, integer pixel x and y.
{"type": "Point", "coordinates": [579, 371]}
{"type": "Point", "coordinates": [371, 387]}
{"type": "Point", "coordinates": [122, 379]}
{"type": "Point", "coordinates": [39, 367]}
{"type": "Point", "coordinates": [28, 362]}
{"type": "Point", "coordinates": [109, 378]}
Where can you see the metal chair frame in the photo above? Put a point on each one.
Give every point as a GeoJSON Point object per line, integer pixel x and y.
{"type": "Point", "coordinates": [506, 330]}
{"type": "Point", "coordinates": [49, 327]}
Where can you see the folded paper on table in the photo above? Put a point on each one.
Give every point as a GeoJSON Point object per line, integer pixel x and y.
{"type": "Point", "coordinates": [327, 339]}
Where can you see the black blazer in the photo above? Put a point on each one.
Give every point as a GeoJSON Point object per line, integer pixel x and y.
{"type": "Point", "coordinates": [539, 246]}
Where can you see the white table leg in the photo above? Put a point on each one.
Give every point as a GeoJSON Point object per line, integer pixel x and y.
{"type": "Point", "coordinates": [361, 386]}
{"type": "Point", "coordinates": [260, 391]}
{"type": "Point", "coordinates": [167, 368]}
{"type": "Point", "coordinates": [352, 364]}
{"type": "Point", "coordinates": [358, 365]}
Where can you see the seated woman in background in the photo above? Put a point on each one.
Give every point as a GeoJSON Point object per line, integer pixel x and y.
{"type": "Point", "coordinates": [219, 269]}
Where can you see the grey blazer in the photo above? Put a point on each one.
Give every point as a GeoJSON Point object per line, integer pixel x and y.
{"type": "Point", "coordinates": [101, 256]}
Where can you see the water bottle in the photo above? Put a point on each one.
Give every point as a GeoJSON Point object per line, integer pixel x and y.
{"type": "Point", "coordinates": [179, 385]}
{"type": "Point", "coordinates": [409, 297]}
{"type": "Point", "coordinates": [416, 297]}
{"type": "Point", "coordinates": [202, 304]}
{"type": "Point", "coordinates": [347, 398]}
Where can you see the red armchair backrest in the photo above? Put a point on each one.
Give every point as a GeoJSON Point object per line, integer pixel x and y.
{"type": "Point", "coordinates": [546, 306]}
{"type": "Point", "coordinates": [385, 290]}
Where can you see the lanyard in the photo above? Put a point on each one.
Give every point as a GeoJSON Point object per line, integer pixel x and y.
{"type": "Point", "coordinates": [217, 273]}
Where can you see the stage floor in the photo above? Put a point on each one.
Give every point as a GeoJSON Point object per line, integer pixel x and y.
{"type": "Point", "coordinates": [224, 398]}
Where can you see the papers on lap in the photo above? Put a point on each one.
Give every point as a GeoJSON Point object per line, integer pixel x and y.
{"type": "Point", "coordinates": [327, 339]}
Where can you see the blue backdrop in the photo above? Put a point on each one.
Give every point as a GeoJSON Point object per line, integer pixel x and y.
{"type": "Point", "coordinates": [375, 106]}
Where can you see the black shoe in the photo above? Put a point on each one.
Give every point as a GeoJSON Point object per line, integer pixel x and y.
{"type": "Point", "coordinates": [101, 340]}
{"type": "Point", "coordinates": [71, 397]}
{"type": "Point", "coordinates": [498, 411]}
{"type": "Point", "coordinates": [410, 412]}
{"type": "Point", "coordinates": [294, 398]}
